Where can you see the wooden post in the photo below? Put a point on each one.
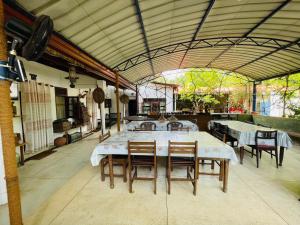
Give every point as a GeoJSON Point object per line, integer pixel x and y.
{"type": "Point", "coordinates": [8, 141]}
{"type": "Point", "coordinates": [118, 101]}
{"type": "Point", "coordinates": [137, 99]}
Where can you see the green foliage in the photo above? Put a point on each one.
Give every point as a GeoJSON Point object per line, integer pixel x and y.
{"type": "Point", "coordinates": [203, 86]}
{"type": "Point", "coordinates": [287, 88]}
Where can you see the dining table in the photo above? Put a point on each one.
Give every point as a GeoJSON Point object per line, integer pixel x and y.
{"type": "Point", "coordinates": [161, 125]}
{"type": "Point", "coordinates": [209, 147]}
{"type": "Point", "coordinates": [245, 135]}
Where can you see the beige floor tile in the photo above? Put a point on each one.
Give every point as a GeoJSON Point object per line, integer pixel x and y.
{"type": "Point", "coordinates": [64, 188]}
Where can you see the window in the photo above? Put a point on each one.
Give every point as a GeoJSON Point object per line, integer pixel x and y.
{"type": "Point", "coordinates": [156, 105]}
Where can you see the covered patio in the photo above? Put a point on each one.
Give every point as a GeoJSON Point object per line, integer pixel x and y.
{"type": "Point", "coordinates": [106, 59]}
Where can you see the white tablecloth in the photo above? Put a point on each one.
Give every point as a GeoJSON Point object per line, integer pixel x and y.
{"type": "Point", "coordinates": [208, 146]}
{"type": "Point", "coordinates": [245, 132]}
{"type": "Point", "coordinates": [161, 126]}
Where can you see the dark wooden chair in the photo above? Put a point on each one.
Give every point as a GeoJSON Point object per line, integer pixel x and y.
{"type": "Point", "coordinates": [149, 126]}
{"type": "Point", "coordinates": [118, 160]}
{"type": "Point", "coordinates": [221, 132]}
{"type": "Point", "coordinates": [183, 129]}
{"type": "Point", "coordinates": [173, 126]}
{"type": "Point", "coordinates": [141, 154]}
{"type": "Point", "coordinates": [175, 159]}
{"type": "Point", "coordinates": [265, 141]}
{"type": "Point", "coordinates": [261, 125]}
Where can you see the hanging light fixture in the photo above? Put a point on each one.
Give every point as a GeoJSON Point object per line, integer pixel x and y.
{"type": "Point", "coordinates": [72, 76]}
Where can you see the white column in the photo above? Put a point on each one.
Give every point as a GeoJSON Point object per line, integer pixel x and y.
{"type": "Point", "coordinates": [102, 84]}
{"type": "Point", "coordinates": [3, 192]}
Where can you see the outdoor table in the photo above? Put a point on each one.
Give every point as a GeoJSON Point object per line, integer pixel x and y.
{"type": "Point", "coordinates": [161, 125]}
{"type": "Point", "coordinates": [245, 134]}
{"type": "Point", "coordinates": [209, 147]}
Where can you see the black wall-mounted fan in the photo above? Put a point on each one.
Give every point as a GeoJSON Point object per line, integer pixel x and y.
{"type": "Point", "coordinates": [30, 40]}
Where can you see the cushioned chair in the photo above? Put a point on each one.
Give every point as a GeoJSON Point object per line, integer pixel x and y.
{"type": "Point", "coordinates": [265, 141]}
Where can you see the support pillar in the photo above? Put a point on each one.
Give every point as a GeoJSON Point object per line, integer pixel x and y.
{"type": "Point", "coordinates": [118, 102]}
{"type": "Point", "coordinates": [102, 84]}
{"type": "Point", "coordinates": [7, 135]}
{"type": "Point", "coordinates": [254, 97]}
{"type": "Point", "coordinates": [137, 99]}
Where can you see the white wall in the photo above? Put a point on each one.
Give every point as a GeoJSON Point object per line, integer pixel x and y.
{"type": "Point", "coordinates": [156, 91]}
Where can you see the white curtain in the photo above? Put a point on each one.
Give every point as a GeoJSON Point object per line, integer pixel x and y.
{"type": "Point", "coordinates": [92, 110]}
{"type": "Point", "coordinates": [37, 118]}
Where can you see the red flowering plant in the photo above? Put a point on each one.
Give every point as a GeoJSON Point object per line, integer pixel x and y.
{"type": "Point", "coordinates": [236, 106]}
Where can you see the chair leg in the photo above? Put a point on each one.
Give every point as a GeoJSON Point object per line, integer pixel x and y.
{"type": "Point", "coordinates": [169, 175]}
{"type": "Point", "coordinates": [130, 176]}
{"type": "Point", "coordinates": [260, 153]}
{"type": "Point", "coordinates": [257, 158]}
{"type": "Point", "coordinates": [252, 152]}
{"type": "Point", "coordinates": [276, 156]}
{"type": "Point", "coordinates": [195, 178]}
{"type": "Point", "coordinates": [187, 171]}
{"type": "Point", "coordinates": [212, 164]}
{"type": "Point", "coordinates": [102, 170]}
{"type": "Point", "coordinates": [135, 172]}
{"type": "Point", "coordinates": [155, 177]}
{"type": "Point", "coordinates": [221, 175]}
{"type": "Point", "coordinates": [124, 173]}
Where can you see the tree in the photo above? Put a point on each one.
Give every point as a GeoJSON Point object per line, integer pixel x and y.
{"type": "Point", "coordinates": [203, 87]}
{"type": "Point", "coordinates": [288, 88]}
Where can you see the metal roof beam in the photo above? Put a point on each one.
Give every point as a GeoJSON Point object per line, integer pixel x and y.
{"type": "Point", "coordinates": [281, 75]}
{"type": "Point", "coordinates": [273, 12]}
{"type": "Point", "coordinates": [202, 21]}
{"type": "Point", "coordinates": [269, 53]}
{"type": "Point", "coordinates": [261, 42]}
{"type": "Point", "coordinates": [140, 20]}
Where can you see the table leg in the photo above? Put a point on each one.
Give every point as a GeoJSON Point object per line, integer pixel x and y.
{"type": "Point", "coordinates": [111, 171]}
{"type": "Point", "coordinates": [225, 177]}
{"type": "Point", "coordinates": [242, 151]}
{"type": "Point", "coordinates": [22, 149]}
{"type": "Point", "coordinates": [281, 154]}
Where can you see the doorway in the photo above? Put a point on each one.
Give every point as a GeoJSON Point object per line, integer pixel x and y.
{"type": "Point", "coordinates": [132, 110]}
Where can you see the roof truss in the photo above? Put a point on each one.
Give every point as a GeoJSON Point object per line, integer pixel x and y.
{"type": "Point", "coordinates": [270, 43]}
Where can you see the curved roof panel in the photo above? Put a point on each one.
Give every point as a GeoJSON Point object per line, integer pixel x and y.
{"type": "Point", "coordinates": [139, 38]}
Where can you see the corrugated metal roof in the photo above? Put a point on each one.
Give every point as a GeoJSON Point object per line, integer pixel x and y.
{"type": "Point", "coordinates": [259, 39]}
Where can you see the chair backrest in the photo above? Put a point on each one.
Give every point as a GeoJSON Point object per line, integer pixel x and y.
{"type": "Point", "coordinates": [183, 148]}
{"type": "Point", "coordinates": [223, 129]}
{"type": "Point", "coordinates": [216, 125]}
{"type": "Point", "coordinates": [148, 126]}
{"type": "Point", "coordinates": [142, 147]}
{"type": "Point", "coordinates": [183, 129]}
{"type": "Point", "coordinates": [261, 125]}
{"type": "Point", "coordinates": [173, 126]}
{"type": "Point", "coordinates": [266, 138]}
{"type": "Point", "coordinates": [218, 131]}
{"type": "Point", "coordinates": [103, 137]}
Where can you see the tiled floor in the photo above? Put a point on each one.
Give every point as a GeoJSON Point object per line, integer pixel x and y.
{"type": "Point", "coordinates": [64, 188]}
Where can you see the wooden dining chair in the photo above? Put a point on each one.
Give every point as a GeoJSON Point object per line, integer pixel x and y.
{"type": "Point", "coordinates": [183, 154]}
{"type": "Point", "coordinates": [149, 126]}
{"type": "Point", "coordinates": [141, 154]}
{"type": "Point", "coordinates": [118, 160]}
{"type": "Point", "coordinates": [174, 126]}
{"type": "Point", "coordinates": [265, 141]}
